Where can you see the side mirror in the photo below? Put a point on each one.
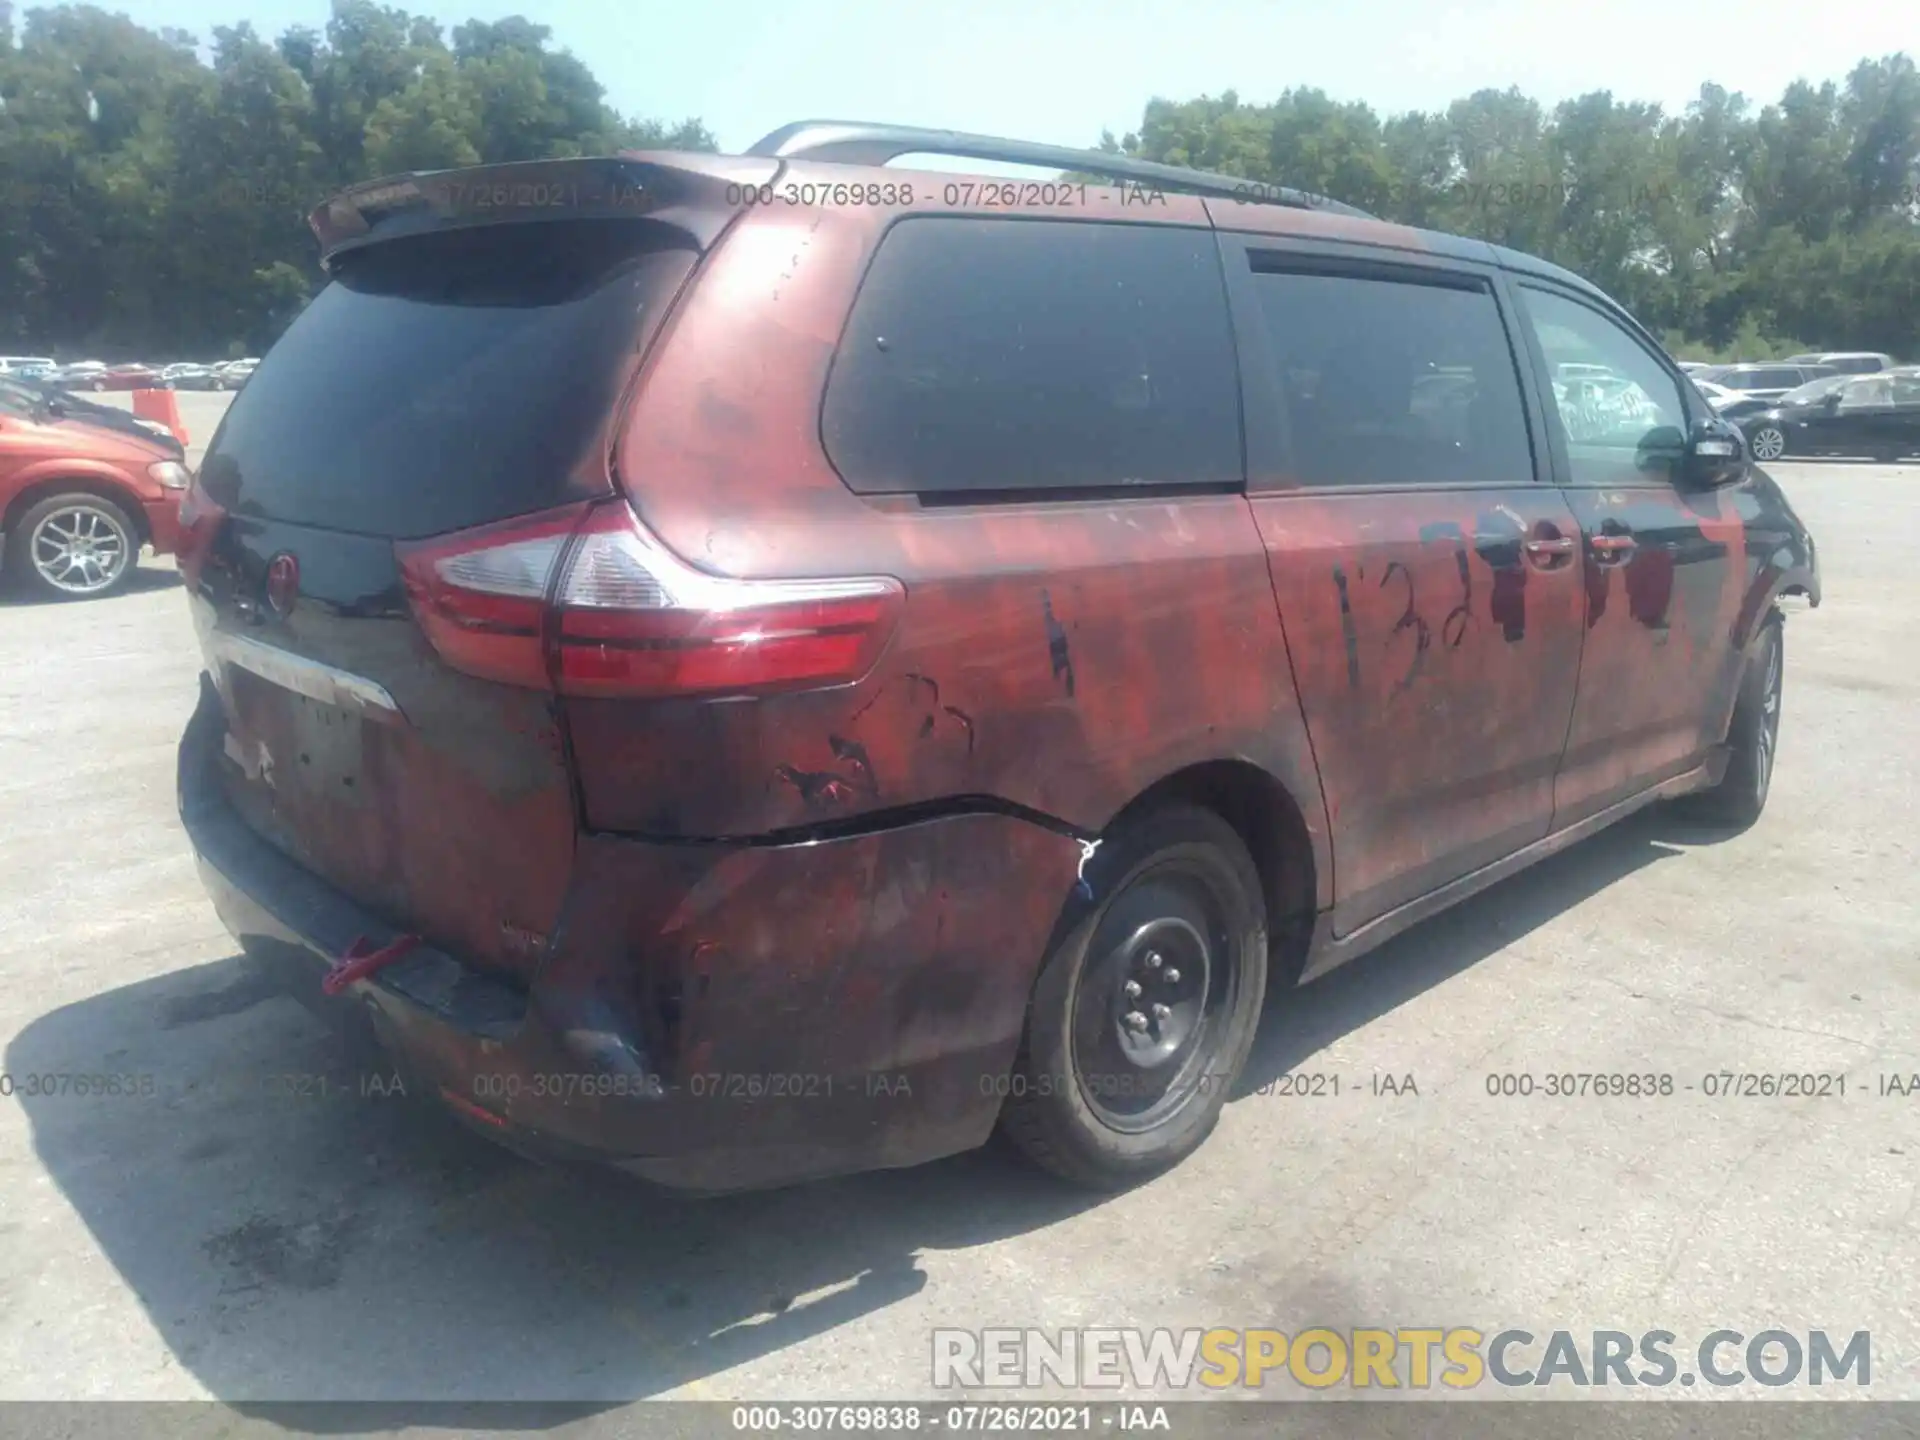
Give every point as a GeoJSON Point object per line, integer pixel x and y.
{"type": "Point", "coordinates": [1716, 455]}
{"type": "Point", "coordinates": [1830, 402]}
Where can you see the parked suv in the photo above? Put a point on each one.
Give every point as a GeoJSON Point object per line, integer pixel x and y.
{"type": "Point", "coordinates": [1848, 362]}
{"type": "Point", "coordinates": [1766, 383]}
{"type": "Point", "coordinates": [755, 667]}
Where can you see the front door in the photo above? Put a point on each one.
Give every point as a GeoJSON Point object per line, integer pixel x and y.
{"type": "Point", "coordinates": [1662, 567]}
{"type": "Point", "coordinates": [1428, 583]}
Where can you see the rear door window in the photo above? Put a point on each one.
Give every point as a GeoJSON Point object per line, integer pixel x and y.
{"type": "Point", "coordinates": [447, 381]}
{"type": "Point", "coordinates": [1014, 356]}
{"type": "Point", "coordinates": [1392, 381]}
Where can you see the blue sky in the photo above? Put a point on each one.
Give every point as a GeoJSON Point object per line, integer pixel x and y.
{"type": "Point", "coordinates": [1058, 70]}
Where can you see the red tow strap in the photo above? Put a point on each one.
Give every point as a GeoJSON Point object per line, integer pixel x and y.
{"type": "Point", "coordinates": [359, 962]}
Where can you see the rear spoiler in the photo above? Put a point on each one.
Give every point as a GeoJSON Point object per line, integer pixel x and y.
{"type": "Point", "coordinates": [694, 193]}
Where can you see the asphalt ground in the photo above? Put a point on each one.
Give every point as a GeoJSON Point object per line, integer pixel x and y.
{"type": "Point", "coordinates": [212, 1241]}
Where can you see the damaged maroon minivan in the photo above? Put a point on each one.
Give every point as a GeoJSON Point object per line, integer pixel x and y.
{"type": "Point", "coordinates": [752, 668]}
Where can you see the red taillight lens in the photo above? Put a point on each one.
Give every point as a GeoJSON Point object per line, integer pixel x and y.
{"type": "Point", "coordinates": [200, 521]}
{"type": "Point", "coordinates": [481, 595]}
{"type": "Point", "coordinates": [587, 602]}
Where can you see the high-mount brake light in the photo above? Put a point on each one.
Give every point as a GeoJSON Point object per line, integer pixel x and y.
{"type": "Point", "coordinates": [587, 602]}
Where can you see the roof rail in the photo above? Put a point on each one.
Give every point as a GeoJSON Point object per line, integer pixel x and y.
{"type": "Point", "coordinates": [851, 142]}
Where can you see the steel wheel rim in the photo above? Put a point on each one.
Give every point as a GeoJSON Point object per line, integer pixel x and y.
{"type": "Point", "coordinates": [80, 549]}
{"type": "Point", "coordinates": [1138, 1055]}
{"type": "Point", "coordinates": [1769, 444]}
{"type": "Point", "coordinates": [1768, 738]}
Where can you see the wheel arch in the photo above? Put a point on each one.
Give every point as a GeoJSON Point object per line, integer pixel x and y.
{"type": "Point", "coordinates": [1271, 823]}
{"type": "Point", "coordinates": [99, 486]}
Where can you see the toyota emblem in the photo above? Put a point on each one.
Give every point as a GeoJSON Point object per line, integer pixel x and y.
{"type": "Point", "coordinates": [283, 583]}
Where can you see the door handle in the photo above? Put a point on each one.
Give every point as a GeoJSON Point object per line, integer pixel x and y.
{"type": "Point", "coordinates": [1612, 549]}
{"type": "Point", "coordinates": [1548, 554]}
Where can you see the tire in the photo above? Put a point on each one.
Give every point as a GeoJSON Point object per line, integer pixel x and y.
{"type": "Point", "coordinates": [1110, 1088]}
{"type": "Point", "coordinates": [1753, 738]}
{"type": "Point", "coordinates": [1767, 444]}
{"type": "Point", "coordinates": [45, 549]}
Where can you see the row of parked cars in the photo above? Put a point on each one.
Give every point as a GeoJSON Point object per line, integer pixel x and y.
{"type": "Point", "coordinates": [133, 375]}
{"type": "Point", "coordinates": [1837, 403]}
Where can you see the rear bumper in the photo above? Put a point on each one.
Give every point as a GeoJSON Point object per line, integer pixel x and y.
{"type": "Point", "coordinates": [708, 1017]}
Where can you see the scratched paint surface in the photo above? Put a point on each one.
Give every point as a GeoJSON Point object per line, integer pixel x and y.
{"type": "Point", "coordinates": [458, 824]}
{"type": "Point", "coordinates": [1059, 656]}
{"type": "Point", "coordinates": [1660, 645]}
{"type": "Point", "coordinates": [1437, 668]}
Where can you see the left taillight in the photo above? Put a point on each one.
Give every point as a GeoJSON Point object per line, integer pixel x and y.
{"type": "Point", "coordinates": [586, 601]}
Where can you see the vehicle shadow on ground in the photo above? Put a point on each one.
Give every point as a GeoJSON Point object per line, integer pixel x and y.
{"type": "Point", "coordinates": [1299, 1023]}
{"type": "Point", "coordinates": [311, 1239]}
{"type": "Point", "coordinates": [144, 579]}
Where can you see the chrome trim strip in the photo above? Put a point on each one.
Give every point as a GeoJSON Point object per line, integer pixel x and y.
{"type": "Point", "coordinates": [325, 683]}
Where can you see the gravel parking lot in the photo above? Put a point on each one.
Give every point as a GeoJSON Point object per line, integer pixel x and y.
{"type": "Point", "coordinates": [212, 1240]}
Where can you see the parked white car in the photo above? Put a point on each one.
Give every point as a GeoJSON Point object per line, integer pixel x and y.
{"type": "Point", "coordinates": [234, 374]}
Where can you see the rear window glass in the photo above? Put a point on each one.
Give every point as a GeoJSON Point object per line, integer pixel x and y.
{"type": "Point", "coordinates": [446, 381]}
{"type": "Point", "coordinates": [1389, 382]}
{"type": "Point", "coordinates": [1009, 355]}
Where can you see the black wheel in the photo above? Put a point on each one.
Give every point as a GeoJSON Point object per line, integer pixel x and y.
{"type": "Point", "coordinates": [1753, 738]}
{"type": "Point", "coordinates": [73, 547]}
{"type": "Point", "coordinates": [1769, 442]}
{"type": "Point", "coordinates": [1143, 1014]}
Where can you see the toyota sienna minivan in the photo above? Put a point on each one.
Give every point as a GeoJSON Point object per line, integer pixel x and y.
{"type": "Point", "coordinates": [749, 668]}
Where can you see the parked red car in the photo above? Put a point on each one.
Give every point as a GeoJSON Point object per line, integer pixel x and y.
{"type": "Point", "coordinates": [755, 667]}
{"type": "Point", "coordinates": [77, 499]}
{"type": "Point", "coordinates": [128, 377]}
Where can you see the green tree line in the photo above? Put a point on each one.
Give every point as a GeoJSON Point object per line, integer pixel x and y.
{"type": "Point", "coordinates": [153, 202]}
{"type": "Point", "coordinates": [1733, 229]}
{"type": "Point", "coordinates": [154, 205]}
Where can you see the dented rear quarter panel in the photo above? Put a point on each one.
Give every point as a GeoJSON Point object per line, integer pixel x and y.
{"type": "Point", "coordinates": [1058, 655]}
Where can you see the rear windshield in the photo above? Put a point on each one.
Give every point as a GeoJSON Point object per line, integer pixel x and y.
{"type": "Point", "coordinates": [447, 381]}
